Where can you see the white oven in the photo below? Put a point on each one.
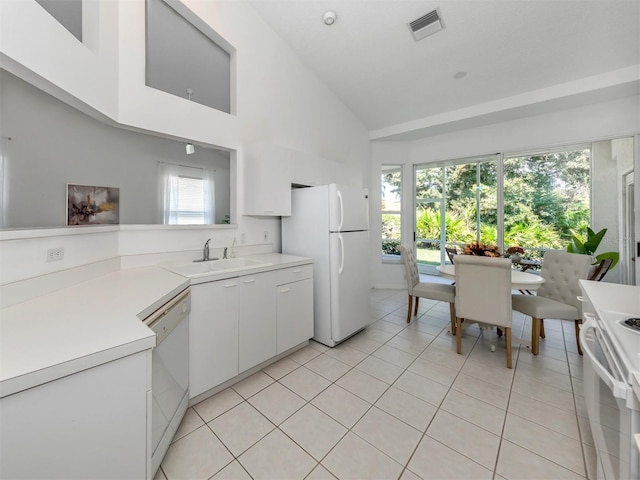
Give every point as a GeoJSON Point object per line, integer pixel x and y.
{"type": "Point", "coordinates": [612, 406]}
{"type": "Point", "coordinates": [170, 373]}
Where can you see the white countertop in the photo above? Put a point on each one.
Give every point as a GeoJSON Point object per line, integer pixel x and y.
{"type": "Point", "coordinates": [81, 326]}
{"type": "Point", "coordinates": [613, 296]}
{"type": "Point", "coordinates": [94, 322]}
{"type": "Point", "coordinates": [613, 303]}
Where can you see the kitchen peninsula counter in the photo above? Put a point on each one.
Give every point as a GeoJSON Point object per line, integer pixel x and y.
{"type": "Point", "coordinates": [82, 326]}
{"type": "Point", "coordinates": [94, 322]}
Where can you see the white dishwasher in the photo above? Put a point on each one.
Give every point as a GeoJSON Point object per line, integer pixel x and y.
{"type": "Point", "coordinates": [170, 372]}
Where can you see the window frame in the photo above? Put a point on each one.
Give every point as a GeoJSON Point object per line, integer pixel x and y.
{"type": "Point", "coordinates": [175, 171]}
{"type": "Point", "coordinates": [392, 168]}
{"type": "Point", "coordinates": [499, 158]}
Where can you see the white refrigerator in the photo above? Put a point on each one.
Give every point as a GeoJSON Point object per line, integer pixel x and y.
{"type": "Point", "coordinates": [330, 223]}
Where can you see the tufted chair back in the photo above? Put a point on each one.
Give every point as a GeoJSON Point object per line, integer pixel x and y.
{"type": "Point", "coordinates": [410, 266]}
{"type": "Point", "coordinates": [483, 289]}
{"type": "Point", "coordinates": [561, 272]}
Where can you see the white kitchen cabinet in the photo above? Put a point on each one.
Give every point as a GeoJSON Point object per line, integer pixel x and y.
{"type": "Point", "coordinates": [267, 180]}
{"type": "Point", "coordinates": [294, 314]}
{"type": "Point", "coordinates": [294, 310]}
{"type": "Point", "coordinates": [92, 424]}
{"type": "Point", "coordinates": [241, 322]}
{"type": "Point", "coordinates": [213, 334]}
{"type": "Point", "coordinates": [257, 319]}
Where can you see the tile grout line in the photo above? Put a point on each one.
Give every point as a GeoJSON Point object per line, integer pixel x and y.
{"type": "Point", "coordinates": [416, 357]}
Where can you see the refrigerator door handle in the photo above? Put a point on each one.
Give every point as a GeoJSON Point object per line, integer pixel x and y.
{"type": "Point", "coordinates": [341, 254]}
{"type": "Point", "coordinates": [341, 209]}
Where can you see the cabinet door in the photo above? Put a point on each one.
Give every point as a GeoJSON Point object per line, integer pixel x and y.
{"type": "Point", "coordinates": [267, 180]}
{"type": "Point", "coordinates": [295, 313]}
{"type": "Point", "coordinates": [213, 335]}
{"type": "Point", "coordinates": [89, 425]}
{"type": "Point", "coordinates": [257, 319]}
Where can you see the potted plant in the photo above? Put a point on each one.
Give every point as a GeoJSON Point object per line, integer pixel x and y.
{"type": "Point", "coordinates": [589, 246]}
{"type": "Point", "coordinates": [515, 253]}
{"type": "Point", "coordinates": [481, 249]}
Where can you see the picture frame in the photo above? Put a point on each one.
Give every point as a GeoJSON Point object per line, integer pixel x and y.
{"type": "Point", "coordinates": [92, 205]}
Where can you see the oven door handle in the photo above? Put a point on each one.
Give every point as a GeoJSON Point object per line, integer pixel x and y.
{"type": "Point", "coordinates": [618, 388]}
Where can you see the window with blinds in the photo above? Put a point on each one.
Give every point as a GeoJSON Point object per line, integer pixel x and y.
{"type": "Point", "coordinates": [189, 193]}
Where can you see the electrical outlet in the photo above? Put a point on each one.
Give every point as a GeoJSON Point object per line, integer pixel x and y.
{"type": "Point", "coordinates": [266, 236]}
{"type": "Point", "coordinates": [55, 254]}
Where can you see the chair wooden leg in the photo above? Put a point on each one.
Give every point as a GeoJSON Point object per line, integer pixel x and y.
{"type": "Point", "coordinates": [459, 334]}
{"type": "Point", "coordinates": [415, 309]}
{"type": "Point", "coordinates": [452, 313]}
{"type": "Point", "coordinates": [409, 308]}
{"type": "Point", "coordinates": [542, 328]}
{"type": "Point", "coordinates": [578, 323]}
{"type": "Point", "coordinates": [507, 339]}
{"type": "Point", "coordinates": [535, 335]}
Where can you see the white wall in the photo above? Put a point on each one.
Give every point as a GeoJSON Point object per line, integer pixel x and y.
{"type": "Point", "coordinates": [276, 99]}
{"type": "Point", "coordinates": [34, 45]}
{"type": "Point", "coordinates": [605, 198]}
{"type": "Point", "coordinates": [622, 152]}
{"type": "Point", "coordinates": [617, 118]}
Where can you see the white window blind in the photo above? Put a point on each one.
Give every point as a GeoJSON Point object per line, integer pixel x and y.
{"type": "Point", "coordinates": [188, 194]}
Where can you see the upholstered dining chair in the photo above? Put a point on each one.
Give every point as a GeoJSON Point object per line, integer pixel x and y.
{"type": "Point", "coordinates": [557, 298]}
{"type": "Point", "coordinates": [431, 290]}
{"type": "Point", "coordinates": [483, 294]}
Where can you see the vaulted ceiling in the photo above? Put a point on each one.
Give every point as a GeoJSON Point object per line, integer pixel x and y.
{"type": "Point", "coordinates": [518, 57]}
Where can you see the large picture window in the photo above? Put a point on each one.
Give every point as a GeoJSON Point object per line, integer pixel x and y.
{"type": "Point", "coordinates": [455, 203]}
{"type": "Point", "coordinates": [536, 201]}
{"type": "Point", "coordinates": [546, 199]}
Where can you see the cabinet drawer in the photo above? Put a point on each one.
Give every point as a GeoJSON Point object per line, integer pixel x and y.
{"type": "Point", "coordinates": [293, 274]}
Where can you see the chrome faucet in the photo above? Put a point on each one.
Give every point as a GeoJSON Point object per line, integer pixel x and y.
{"type": "Point", "coordinates": [205, 253]}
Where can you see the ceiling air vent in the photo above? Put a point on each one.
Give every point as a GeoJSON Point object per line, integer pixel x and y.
{"type": "Point", "coordinates": [426, 25]}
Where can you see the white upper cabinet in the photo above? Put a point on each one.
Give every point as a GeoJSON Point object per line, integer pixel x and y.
{"type": "Point", "coordinates": [267, 180]}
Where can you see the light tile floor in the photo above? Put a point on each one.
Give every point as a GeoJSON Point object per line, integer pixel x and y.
{"type": "Point", "coordinates": [397, 401]}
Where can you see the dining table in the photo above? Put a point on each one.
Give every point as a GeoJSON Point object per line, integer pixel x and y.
{"type": "Point", "coordinates": [525, 265]}
{"type": "Point", "coordinates": [522, 281]}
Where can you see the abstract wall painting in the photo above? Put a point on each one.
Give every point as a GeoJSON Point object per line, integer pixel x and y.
{"type": "Point", "coordinates": [90, 205]}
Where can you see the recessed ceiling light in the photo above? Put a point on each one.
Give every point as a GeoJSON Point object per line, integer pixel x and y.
{"type": "Point", "coordinates": [459, 75]}
{"type": "Point", "coordinates": [329, 18]}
